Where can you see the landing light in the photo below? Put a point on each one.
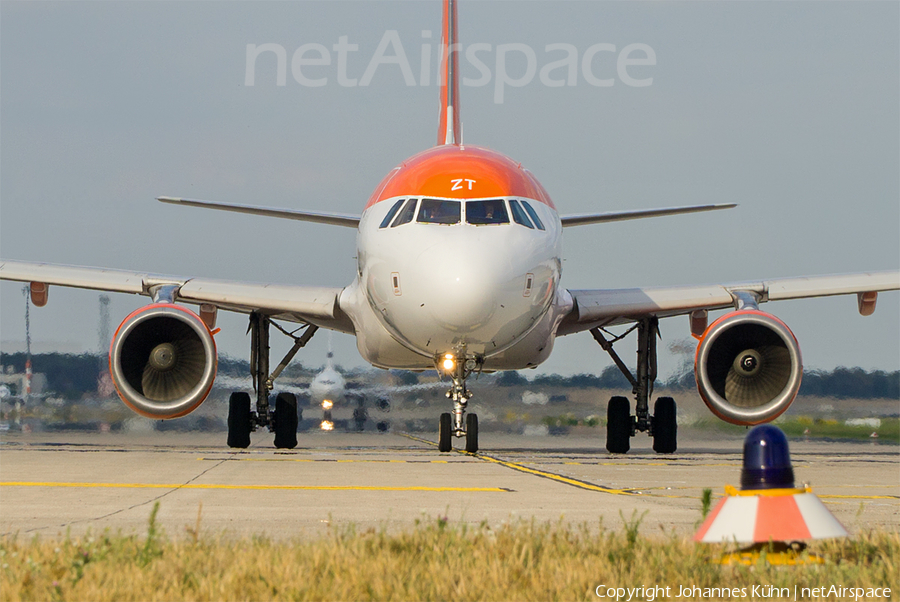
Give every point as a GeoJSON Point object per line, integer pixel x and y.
{"type": "Point", "coordinates": [327, 425]}
{"type": "Point", "coordinates": [449, 362]}
{"type": "Point", "coordinates": [327, 404]}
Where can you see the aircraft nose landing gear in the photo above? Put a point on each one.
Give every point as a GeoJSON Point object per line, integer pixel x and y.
{"type": "Point", "coordinates": [458, 367]}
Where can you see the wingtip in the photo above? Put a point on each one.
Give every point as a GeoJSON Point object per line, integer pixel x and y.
{"type": "Point", "coordinates": [168, 199]}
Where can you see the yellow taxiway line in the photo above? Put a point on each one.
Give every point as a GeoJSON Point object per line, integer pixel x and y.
{"type": "Point", "coordinates": [253, 487]}
{"type": "Point", "coordinates": [238, 458]}
{"type": "Point", "coordinates": [538, 473]}
{"type": "Point", "coordinates": [599, 488]}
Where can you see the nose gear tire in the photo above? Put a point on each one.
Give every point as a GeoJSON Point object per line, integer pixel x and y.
{"type": "Point", "coordinates": [445, 433]}
{"type": "Point", "coordinates": [472, 433]}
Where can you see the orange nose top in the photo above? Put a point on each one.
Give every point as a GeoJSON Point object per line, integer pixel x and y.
{"type": "Point", "coordinates": [462, 172]}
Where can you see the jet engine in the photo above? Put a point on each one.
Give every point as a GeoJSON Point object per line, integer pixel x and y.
{"type": "Point", "coordinates": [163, 361]}
{"type": "Point", "coordinates": [748, 367]}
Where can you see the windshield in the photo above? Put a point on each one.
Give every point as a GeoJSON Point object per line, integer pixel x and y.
{"type": "Point", "coordinates": [534, 215]}
{"type": "Point", "coordinates": [486, 212]}
{"type": "Point", "coordinates": [406, 216]}
{"type": "Point", "coordinates": [390, 214]}
{"type": "Point", "coordinates": [519, 216]}
{"type": "Point", "coordinates": [434, 211]}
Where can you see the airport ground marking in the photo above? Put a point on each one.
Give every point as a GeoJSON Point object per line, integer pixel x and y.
{"type": "Point", "coordinates": [858, 497]}
{"type": "Point", "coordinates": [539, 473]}
{"type": "Point", "coordinates": [256, 487]}
{"type": "Point", "coordinates": [329, 460]}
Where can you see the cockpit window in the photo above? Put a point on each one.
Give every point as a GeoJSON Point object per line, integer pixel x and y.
{"type": "Point", "coordinates": [486, 212]}
{"type": "Point", "coordinates": [407, 215]}
{"type": "Point", "coordinates": [435, 211]}
{"type": "Point", "coordinates": [390, 214]}
{"type": "Point", "coordinates": [519, 216]}
{"type": "Point", "coordinates": [534, 215]}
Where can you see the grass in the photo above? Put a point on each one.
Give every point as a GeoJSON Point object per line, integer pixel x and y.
{"type": "Point", "coordinates": [833, 429]}
{"type": "Point", "coordinates": [433, 561]}
{"type": "Point", "coordinates": [818, 428]}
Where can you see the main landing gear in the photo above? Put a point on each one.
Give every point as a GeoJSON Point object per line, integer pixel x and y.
{"type": "Point", "coordinates": [283, 420]}
{"type": "Point", "coordinates": [621, 426]}
{"type": "Point", "coordinates": [457, 424]}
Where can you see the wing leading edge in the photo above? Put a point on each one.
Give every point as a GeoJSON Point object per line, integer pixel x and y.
{"type": "Point", "coordinates": [618, 216]}
{"type": "Point", "coordinates": [617, 306]}
{"type": "Point", "coordinates": [316, 305]}
{"type": "Point", "coordinates": [334, 219]}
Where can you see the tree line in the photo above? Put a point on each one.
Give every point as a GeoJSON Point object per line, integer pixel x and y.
{"type": "Point", "coordinates": [73, 376]}
{"type": "Point", "coordinates": [842, 383]}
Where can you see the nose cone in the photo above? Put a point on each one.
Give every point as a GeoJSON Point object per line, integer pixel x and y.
{"type": "Point", "coordinates": [463, 297]}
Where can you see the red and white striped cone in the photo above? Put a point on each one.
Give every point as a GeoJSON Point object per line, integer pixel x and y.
{"type": "Point", "coordinates": [763, 515]}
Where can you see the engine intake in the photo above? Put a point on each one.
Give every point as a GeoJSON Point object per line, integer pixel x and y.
{"type": "Point", "coordinates": [748, 367]}
{"type": "Point", "coordinates": [163, 361]}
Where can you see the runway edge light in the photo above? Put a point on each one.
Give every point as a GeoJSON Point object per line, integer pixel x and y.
{"type": "Point", "coordinates": [768, 511]}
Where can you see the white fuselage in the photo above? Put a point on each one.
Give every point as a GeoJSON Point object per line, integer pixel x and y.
{"type": "Point", "coordinates": [425, 289]}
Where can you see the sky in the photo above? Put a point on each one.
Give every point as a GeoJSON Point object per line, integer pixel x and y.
{"type": "Point", "coordinates": [791, 110]}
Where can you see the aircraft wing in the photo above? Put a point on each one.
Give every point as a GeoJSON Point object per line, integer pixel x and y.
{"type": "Point", "coordinates": [334, 219]}
{"type": "Point", "coordinates": [316, 305]}
{"type": "Point", "coordinates": [606, 307]}
{"type": "Point", "coordinates": [618, 216]}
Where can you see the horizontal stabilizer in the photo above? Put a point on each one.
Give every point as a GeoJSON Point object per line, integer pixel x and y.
{"type": "Point", "coordinates": [618, 216]}
{"type": "Point", "coordinates": [334, 219]}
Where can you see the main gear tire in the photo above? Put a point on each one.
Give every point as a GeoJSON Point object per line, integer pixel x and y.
{"type": "Point", "coordinates": [286, 421]}
{"type": "Point", "coordinates": [239, 425]}
{"type": "Point", "coordinates": [618, 425]}
{"type": "Point", "coordinates": [665, 427]}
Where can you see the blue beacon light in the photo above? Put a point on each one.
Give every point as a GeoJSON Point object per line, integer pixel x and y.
{"type": "Point", "coordinates": [767, 461]}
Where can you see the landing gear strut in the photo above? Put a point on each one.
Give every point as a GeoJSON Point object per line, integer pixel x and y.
{"type": "Point", "coordinates": [456, 423]}
{"type": "Point", "coordinates": [283, 420]}
{"type": "Point", "coordinates": [621, 426]}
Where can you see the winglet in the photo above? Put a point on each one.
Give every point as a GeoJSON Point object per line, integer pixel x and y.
{"type": "Point", "coordinates": [448, 127]}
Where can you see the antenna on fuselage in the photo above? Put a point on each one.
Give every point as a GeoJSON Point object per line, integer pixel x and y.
{"type": "Point", "coordinates": [449, 129]}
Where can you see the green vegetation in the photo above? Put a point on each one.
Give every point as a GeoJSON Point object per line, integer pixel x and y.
{"type": "Point", "coordinates": [705, 503]}
{"type": "Point", "coordinates": [840, 383]}
{"type": "Point", "coordinates": [434, 561]}
{"type": "Point", "coordinates": [798, 426]}
{"type": "Point", "coordinates": [570, 419]}
{"type": "Point", "coordinates": [72, 376]}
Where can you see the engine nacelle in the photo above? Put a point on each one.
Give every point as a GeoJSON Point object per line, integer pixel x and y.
{"type": "Point", "coordinates": [748, 367]}
{"type": "Point", "coordinates": [163, 361]}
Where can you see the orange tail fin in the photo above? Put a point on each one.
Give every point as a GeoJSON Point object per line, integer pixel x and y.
{"type": "Point", "coordinates": [448, 127]}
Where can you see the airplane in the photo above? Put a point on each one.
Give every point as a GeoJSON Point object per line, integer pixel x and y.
{"type": "Point", "coordinates": [498, 305]}
{"type": "Point", "coordinates": [330, 391]}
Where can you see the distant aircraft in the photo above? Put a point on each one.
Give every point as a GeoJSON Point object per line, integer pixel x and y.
{"type": "Point", "coordinates": [459, 266]}
{"type": "Point", "coordinates": [326, 389]}
{"type": "Point", "coordinates": [330, 390]}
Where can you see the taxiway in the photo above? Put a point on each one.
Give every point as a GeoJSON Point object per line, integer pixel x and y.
{"type": "Point", "coordinates": [59, 482]}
